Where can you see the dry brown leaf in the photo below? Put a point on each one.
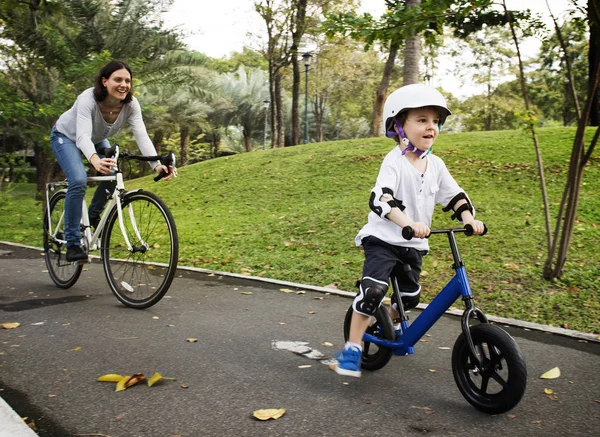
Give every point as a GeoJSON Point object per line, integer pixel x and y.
{"type": "Point", "coordinates": [271, 413]}
{"type": "Point", "coordinates": [12, 325]}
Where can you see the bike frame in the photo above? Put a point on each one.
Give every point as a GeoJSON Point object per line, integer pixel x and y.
{"type": "Point", "coordinates": [458, 286]}
{"type": "Point", "coordinates": [117, 195]}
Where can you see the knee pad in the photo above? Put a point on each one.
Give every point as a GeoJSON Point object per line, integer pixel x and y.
{"type": "Point", "coordinates": [409, 300]}
{"type": "Point", "coordinates": [370, 296]}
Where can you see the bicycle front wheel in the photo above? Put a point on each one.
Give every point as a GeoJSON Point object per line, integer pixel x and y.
{"type": "Point", "coordinates": [140, 275]}
{"type": "Point", "coordinates": [63, 273]}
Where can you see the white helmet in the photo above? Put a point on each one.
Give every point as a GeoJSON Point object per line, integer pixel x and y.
{"type": "Point", "coordinates": [413, 96]}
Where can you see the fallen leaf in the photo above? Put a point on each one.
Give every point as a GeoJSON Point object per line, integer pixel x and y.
{"type": "Point", "coordinates": [156, 378]}
{"type": "Point", "coordinates": [286, 290]}
{"type": "Point", "coordinates": [511, 416]}
{"type": "Point", "coordinates": [327, 344]}
{"type": "Point", "coordinates": [184, 386]}
{"type": "Point", "coordinates": [548, 391]}
{"type": "Point", "coordinates": [52, 396]}
{"type": "Point", "coordinates": [245, 292]}
{"type": "Point", "coordinates": [432, 370]}
{"type": "Point", "coordinates": [445, 348]}
{"type": "Point", "coordinates": [551, 374]}
{"type": "Point", "coordinates": [536, 422]}
{"type": "Point", "coordinates": [312, 312]}
{"type": "Point", "coordinates": [191, 340]}
{"type": "Point", "coordinates": [300, 292]}
{"type": "Point", "coordinates": [122, 382]}
{"type": "Point", "coordinates": [155, 317]}
{"type": "Point", "coordinates": [110, 377]}
{"type": "Point", "coordinates": [268, 414]}
{"type": "Point", "coordinates": [11, 325]}
{"type": "Point", "coordinates": [281, 323]}
{"type": "Point", "coordinates": [305, 366]}
{"type": "Point", "coordinates": [76, 348]}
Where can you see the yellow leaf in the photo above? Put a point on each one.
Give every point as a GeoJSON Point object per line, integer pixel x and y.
{"type": "Point", "coordinates": [551, 374]}
{"type": "Point", "coordinates": [76, 348]}
{"type": "Point", "coordinates": [269, 414]}
{"type": "Point", "coordinates": [286, 290]}
{"type": "Point", "coordinates": [432, 370]}
{"type": "Point", "coordinates": [11, 325]}
{"type": "Point", "coordinates": [121, 384]}
{"type": "Point", "coordinates": [151, 268]}
{"type": "Point", "coordinates": [245, 292]}
{"type": "Point", "coordinates": [191, 340]}
{"type": "Point", "coordinates": [110, 377]}
{"type": "Point", "coordinates": [157, 377]}
{"type": "Point", "coordinates": [548, 391]}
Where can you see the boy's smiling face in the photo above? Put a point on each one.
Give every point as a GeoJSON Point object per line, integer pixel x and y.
{"type": "Point", "coordinates": [422, 127]}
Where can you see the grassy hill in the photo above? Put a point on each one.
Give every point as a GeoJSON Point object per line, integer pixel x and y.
{"type": "Point", "coordinates": [293, 213]}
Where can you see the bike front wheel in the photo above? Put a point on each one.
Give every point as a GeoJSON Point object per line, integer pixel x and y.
{"type": "Point", "coordinates": [374, 357]}
{"type": "Point", "coordinates": [499, 384]}
{"type": "Point", "coordinates": [141, 275]}
{"type": "Point", "coordinates": [63, 273]}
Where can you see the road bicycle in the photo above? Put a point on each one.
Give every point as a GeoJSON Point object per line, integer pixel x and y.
{"type": "Point", "coordinates": [488, 366]}
{"type": "Point", "coordinates": [136, 236]}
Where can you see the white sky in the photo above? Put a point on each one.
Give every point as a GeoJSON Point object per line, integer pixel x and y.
{"type": "Point", "coordinates": [219, 27]}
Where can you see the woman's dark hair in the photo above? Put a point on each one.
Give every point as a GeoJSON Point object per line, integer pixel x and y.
{"type": "Point", "coordinates": [100, 92]}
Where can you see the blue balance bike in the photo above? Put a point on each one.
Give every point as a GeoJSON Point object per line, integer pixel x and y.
{"type": "Point", "coordinates": [487, 365]}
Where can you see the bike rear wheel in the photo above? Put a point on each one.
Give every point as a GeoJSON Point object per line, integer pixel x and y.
{"type": "Point", "coordinates": [140, 277]}
{"type": "Point", "coordinates": [500, 384]}
{"type": "Point", "coordinates": [63, 273]}
{"type": "Point", "coordinates": [374, 357]}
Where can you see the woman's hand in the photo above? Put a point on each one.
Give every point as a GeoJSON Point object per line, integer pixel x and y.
{"type": "Point", "coordinates": [103, 165]}
{"type": "Point", "coordinates": [170, 171]}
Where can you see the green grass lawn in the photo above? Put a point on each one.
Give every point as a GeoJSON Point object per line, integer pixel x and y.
{"type": "Point", "coordinates": [292, 214]}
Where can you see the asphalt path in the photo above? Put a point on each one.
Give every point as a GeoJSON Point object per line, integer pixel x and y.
{"type": "Point", "coordinates": [67, 338]}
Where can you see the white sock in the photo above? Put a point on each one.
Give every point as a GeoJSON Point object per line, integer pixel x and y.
{"type": "Point", "coordinates": [353, 346]}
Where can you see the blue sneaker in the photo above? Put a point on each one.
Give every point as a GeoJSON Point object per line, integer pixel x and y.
{"type": "Point", "coordinates": [348, 362]}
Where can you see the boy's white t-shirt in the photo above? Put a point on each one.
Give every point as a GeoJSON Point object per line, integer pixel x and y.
{"type": "Point", "coordinates": [418, 192]}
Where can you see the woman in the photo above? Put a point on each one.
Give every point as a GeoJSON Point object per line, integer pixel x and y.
{"type": "Point", "coordinates": [98, 113]}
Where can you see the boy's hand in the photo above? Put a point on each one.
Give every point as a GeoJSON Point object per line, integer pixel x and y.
{"type": "Point", "coordinates": [421, 230]}
{"type": "Point", "coordinates": [477, 226]}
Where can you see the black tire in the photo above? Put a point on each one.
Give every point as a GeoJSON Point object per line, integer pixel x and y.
{"type": "Point", "coordinates": [63, 273]}
{"type": "Point", "coordinates": [501, 384]}
{"type": "Point", "coordinates": [133, 276]}
{"type": "Point", "coordinates": [373, 356]}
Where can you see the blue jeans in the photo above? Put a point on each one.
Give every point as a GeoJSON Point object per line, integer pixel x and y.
{"type": "Point", "coordinates": [69, 158]}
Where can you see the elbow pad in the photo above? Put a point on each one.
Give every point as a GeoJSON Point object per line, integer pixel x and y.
{"type": "Point", "coordinates": [464, 207]}
{"type": "Point", "coordinates": [383, 208]}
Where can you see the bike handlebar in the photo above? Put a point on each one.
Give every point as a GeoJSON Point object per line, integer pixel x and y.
{"type": "Point", "coordinates": [166, 160]}
{"type": "Point", "coordinates": [408, 232]}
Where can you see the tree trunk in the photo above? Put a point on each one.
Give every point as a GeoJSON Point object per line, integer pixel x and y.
{"type": "Point", "coordinates": [295, 99]}
{"type": "Point", "coordinates": [280, 113]}
{"type": "Point", "coordinates": [247, 141]}
{"type": "Point", "coordinates": [184, 136]}
{"type": "Point", "coordinates": [594, 57]}
{"type": "Point", "coordinates": [159, 136]}
{"type": "Point", "coordinates": [376, 122]}
{"type": "Point", "coordinates": [412, 53]}
{"type": "Point", "coordinates": [44, 165]}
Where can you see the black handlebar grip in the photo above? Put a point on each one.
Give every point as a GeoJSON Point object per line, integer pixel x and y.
{"type": "Point", "coordinates": [469, 230]}
{"type": "Point", "coordinates": [159, 176]}
{"type": "Point", "coordinates": [408, 233]}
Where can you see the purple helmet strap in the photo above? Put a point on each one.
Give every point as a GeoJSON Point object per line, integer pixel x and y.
{"type": "Point", "coordinates": [409, 146]}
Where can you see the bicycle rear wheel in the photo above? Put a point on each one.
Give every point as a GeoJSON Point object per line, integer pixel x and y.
{"type": "Point", "coordinates": [140, 277]}
{"type": "Point", "coordinates": [63, 273]}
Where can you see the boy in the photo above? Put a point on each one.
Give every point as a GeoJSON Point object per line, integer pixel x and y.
{"type": "Point", "coordinates": [409, 183]}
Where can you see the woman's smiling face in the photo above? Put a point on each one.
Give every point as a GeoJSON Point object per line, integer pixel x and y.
{"type": "Point", "coordinates": [118, 84]}
{"type": "Point", "coordinates": [422, 127]}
